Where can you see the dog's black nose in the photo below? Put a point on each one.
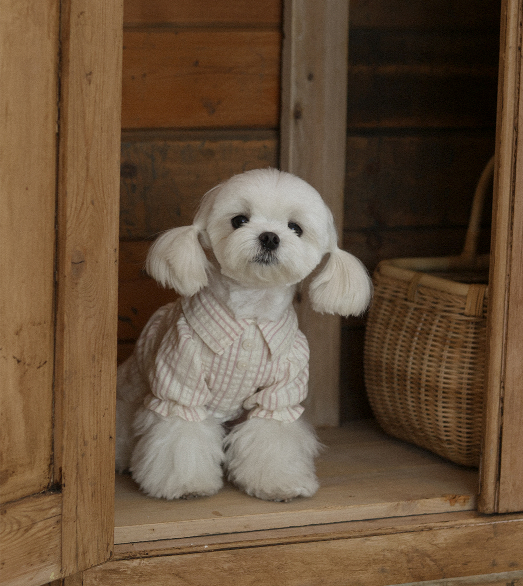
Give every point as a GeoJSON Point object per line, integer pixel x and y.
{"type": "Point", "coordinates": [269, 240]}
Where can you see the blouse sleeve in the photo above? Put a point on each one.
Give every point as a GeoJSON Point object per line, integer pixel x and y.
{"type": "Point", "coordinates": [177, 380]}
{"type": "Point", "coordinates": [282, 399]}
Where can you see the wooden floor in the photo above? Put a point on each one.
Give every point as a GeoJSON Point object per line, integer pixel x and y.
{"type": "Point", "coordinates": [364, 474]}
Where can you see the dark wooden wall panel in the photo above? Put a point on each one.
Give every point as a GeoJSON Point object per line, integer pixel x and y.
{"type": "Point", "coordinates": [420, 96]}
{"type": "Point", "coordinates": [460, 15]}
{"type": "Point", "coordinates": [413, 179]}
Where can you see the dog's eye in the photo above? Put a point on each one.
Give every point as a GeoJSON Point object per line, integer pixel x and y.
{"type": "Point", "coordinates": [295, 228]}
{"type": "Point", "coordinates": [238, 221]}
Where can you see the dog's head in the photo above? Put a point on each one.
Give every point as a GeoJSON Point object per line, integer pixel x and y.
{"type": "Point", "coordinates": [265, 228]}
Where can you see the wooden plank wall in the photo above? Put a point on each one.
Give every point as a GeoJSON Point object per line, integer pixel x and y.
{"type": "Point", "coordinates": [201, 102]}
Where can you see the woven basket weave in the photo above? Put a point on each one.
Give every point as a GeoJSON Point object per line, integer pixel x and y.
{"type": "Point", "coordinates": [425, 346]}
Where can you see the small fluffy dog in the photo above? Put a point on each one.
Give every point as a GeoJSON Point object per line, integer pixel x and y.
{"type": "Point", "coordinates": [230, 348]}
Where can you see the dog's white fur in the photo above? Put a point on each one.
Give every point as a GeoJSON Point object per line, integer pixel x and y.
{"type": "Point", "coordinates": [173, 458]}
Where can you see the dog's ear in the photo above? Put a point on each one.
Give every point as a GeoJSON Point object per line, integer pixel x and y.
{"type": "Point", "coordinates": [343, 286]}
{"type": "Point", "coordinates": [177, 260]}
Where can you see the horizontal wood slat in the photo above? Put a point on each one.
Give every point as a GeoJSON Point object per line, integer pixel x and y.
{"type": "Point", "coordinates": [164, 176]}
{"type": "Point", "coordinates": [312, 533]}
{"type": "Point", "coordinates": [202, 12]}
{"type": "Point", "coordinates": [421, 14]}
{"type": "Point", "coordinates": [403, 555]}
{"type": "Point", "coordinates": [230, 78]}
{"type": "Point", "coordinates": [197, 79]}
{"type": "Point", "coordinates": [452, 48]}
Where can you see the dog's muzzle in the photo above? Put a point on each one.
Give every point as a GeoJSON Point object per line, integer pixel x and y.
{"type": "Point", "coordinates": [269, 242]}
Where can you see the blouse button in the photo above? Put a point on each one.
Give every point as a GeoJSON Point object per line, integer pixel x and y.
{"type": "Point", "coordinates": [241, 365]}
{"type": "Point", "coordinates": [248, 345]}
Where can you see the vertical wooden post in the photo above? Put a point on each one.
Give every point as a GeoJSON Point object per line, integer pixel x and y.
{"type": "Point", "coordinates": [313, 138]}
{"type": "Point", "coordinates": [502, 464]}
{"type": "Point", "coordinates": [87, 250]}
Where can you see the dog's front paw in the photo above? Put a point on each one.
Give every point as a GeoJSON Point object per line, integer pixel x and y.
{"type": "Point", "coordinates": [272, 460]}
{"type": "Point", "coordinates": [284, 492]}
{"type": "Point", "coordinates": [175, 458]}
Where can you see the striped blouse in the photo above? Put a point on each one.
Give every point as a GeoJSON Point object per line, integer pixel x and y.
{"type": "Point", "coordinates": [200, 361]}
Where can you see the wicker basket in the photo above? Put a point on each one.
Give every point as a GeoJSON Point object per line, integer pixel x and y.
{"type": "Point", "coordinates": [425, 346]}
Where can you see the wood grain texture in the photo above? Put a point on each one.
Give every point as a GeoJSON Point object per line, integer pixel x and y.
{"type": "Point", "coordinates": [288, 535]}
{"type": "Point", "coordinates": [313, 134]}
{"type": "Point", "coordinates": [73, 580]}
{"type": "Point", "coordinates": [405, 555]}
{"type": "Point", "coordinates": [203, 12]}
{"type": "Point", "coordinates": [504, 313]}
{"type": "Point", "coordinates": [510, 578]}
{"type": "Point", "coordinates": [30, 537]}
{"type": "Point", "coordinates": [28, 117]}
{"type": "Point", "coordinates": [175, 78]}
{"type": "Point", "coordinates": [201, 79]}
{"type": "Point", "coordinates": [510, 496]}
{"type": "Point", "coordinates": [87, 276]}
{"type": "Point", "coordinates": [497, 579]}
{"type": "Point", "coordinates": [164, 175]}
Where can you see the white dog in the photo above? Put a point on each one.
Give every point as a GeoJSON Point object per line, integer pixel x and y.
{"type": "Point", "coordinates": [231, 345]}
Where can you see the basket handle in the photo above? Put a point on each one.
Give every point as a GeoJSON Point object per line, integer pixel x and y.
{"type": "Point", "coordinates": [472, 237]}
